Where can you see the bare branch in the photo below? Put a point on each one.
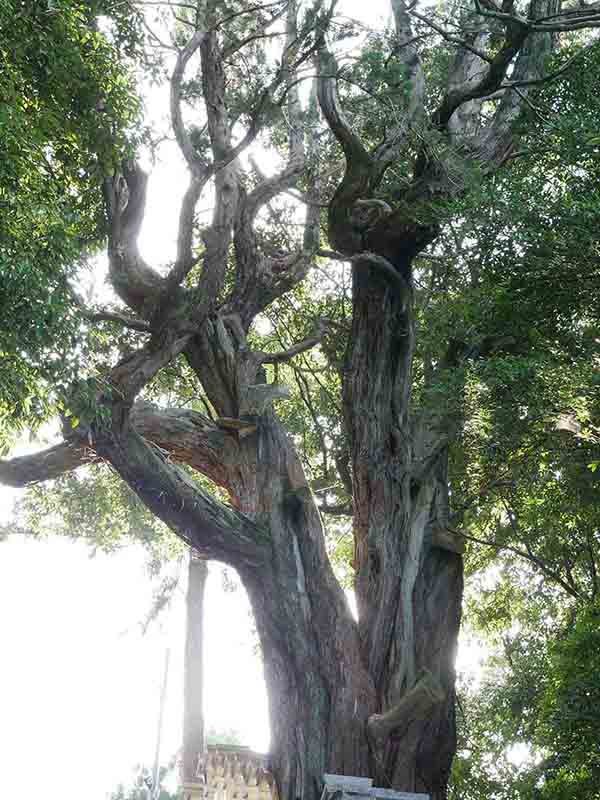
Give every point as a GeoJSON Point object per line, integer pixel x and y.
{"type": "Point", "coordinates": [45, 465]}
{"type": "Point", "coordinates": [181, 134]}
{"type": "Point", "coordinates": [184, 435]}
{"type": "Point", "coordinates": [260, 278]}
{"type": "Point", "coordinates": [412, 106]}
{"type": "Point", "coordinates": [253, 10]}
{"type": "Point", "coordinates": [185, 259]}
{"type": "Point", "coordinates": [121, 319]}
{"type": "Point", "coordinates": [564, 21]}
{"type": "Point", "coordinates": [451, 38]}
{"type": "Point", "coordinates": [268, 188]}
{"type": "Point", "coordinates": [527, 555]}
{"type": "Point", "coordinates": [300, 347]}
{"type": "Point", "coordinates": [351, 144]}
{"type": "Point", "coordinates": [260, 32]}
{"type": "Point", "coordinates": [312, 219]}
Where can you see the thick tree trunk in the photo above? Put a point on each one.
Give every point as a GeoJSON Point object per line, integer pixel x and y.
{"type": "Point", "coordinates": [409, 591]}
{"type": "Point", "coordinates": [374, 698]}
{"type": "Point", "coordinates": [320, 693]}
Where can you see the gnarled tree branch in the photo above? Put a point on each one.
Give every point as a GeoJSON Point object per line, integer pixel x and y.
{"type": "Point", "coordinates": [300, 347]}
{"type": "Point", "coordinates": [134, 281]}
{"type": "Point", "coordinates": [185, 436]}
{"type": "Point", "coordinates": [213, 529]}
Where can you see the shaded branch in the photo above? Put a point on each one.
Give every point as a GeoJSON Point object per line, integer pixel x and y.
{"type": "Point", "coordinates": [121, 319]}
{"type": "Point", "coordinates": [336, 510]}
{"type": "Point", "coordinates": [490, 81]}
{"type": "Point", "coordinates": [382, 265]}
{"type": "Point", "coordinates": [213, 529]}
{"type": "Point", "coordinates": [332, 255]}
{"type": "Point", "coordinates": [499, 138]}
{"type": "Point", "coordinates": [130, 376]}
{"type": "Point", "coordinates": [300, 347]}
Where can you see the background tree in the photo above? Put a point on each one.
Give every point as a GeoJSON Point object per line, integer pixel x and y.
{"type": "Point", "coordinates": [425, 118]}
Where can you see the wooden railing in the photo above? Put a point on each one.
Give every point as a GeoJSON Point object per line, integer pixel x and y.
{"type": "Point", "coordinates": [229, 772]}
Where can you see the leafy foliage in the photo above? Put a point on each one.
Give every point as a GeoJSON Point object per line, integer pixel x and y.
{"type": "Point", "coordinates": [66, 116]}
{"type": "Point", "coordinates": [529, 731]}
{"type": "Point", "coordinates": [98, 507]}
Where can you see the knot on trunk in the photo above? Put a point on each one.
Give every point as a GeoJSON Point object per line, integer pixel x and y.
{"type": "Point", "coordinates": [416, 704]}
{"type": "Point", "coordinates": [260, 396]}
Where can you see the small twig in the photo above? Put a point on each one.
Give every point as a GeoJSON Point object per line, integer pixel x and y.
{"type": "Point", "coordinates": [450, 38]}
{"type": "Point", "coordinates": [571, 590]}
{"type": "Point", "coordinates": [296, 349]}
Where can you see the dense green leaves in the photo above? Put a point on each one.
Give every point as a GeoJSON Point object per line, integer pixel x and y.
{"type": "Point", "coordinates": [66, 111]}
{"type": "Point", "coordinates": [530, 729]}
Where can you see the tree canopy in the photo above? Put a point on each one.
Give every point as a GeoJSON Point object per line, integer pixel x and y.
{"type": "Point", "coordinates": [380, 344]}
{"type": "Point", "coordinates": [67, 116]}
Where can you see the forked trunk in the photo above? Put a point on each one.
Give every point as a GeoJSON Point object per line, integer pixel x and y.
{"type": "Point", "coordinates": [373, 698]}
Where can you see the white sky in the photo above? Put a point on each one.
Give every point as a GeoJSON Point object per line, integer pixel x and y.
{"type": "Point", "coordinates": [79, 683]}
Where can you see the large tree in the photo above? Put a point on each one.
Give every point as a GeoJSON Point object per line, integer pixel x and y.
{"type": "Point", "coordinates": [391, 141]}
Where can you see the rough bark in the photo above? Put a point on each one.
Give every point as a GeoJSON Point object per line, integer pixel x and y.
{"type": "Point", "coordinates": [369, 698]}
{"type": "Point", "coordinates": [409, 591]}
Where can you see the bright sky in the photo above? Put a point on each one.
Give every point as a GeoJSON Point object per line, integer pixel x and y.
{"type": "Point", "coordinates": [79, 682]}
